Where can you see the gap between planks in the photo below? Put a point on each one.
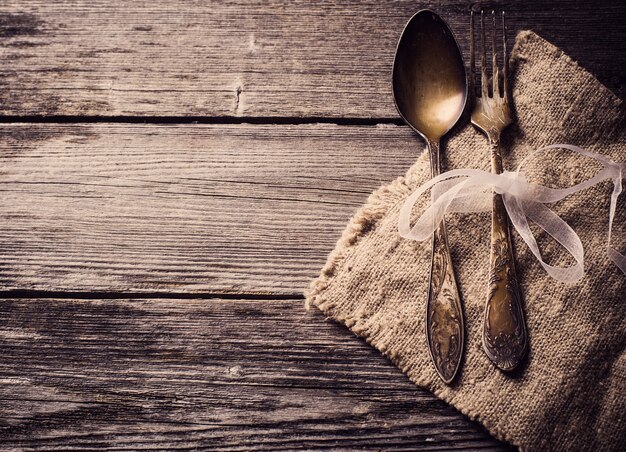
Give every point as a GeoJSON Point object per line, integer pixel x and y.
{"type": "Point", "coordinates": [217, 120]}
{"type": "Point", "coordinates": [103, 295]}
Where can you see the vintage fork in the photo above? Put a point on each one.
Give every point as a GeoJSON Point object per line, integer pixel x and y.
{"type": "Point", "coordinates": [504, 330]}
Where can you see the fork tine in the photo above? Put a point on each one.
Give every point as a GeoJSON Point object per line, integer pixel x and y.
{"type": "Point", "coordinates": [505, 61]}
{"type": "Point", "coordinates": [483, 57]}
{"type": "Point", "coordinates": [472, 81]}
{"type": "Point", "coordinates": [494, 62]}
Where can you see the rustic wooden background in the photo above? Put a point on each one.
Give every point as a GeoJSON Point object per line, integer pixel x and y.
{"type": "Point", "coordinates": [172, 176]}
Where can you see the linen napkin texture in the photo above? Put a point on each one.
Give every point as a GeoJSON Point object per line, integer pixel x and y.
{"type": "Point", "coordinates": [569, 394]}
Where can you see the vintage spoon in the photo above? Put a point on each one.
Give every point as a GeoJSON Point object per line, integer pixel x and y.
{"type": "Point", "coordinates": [430, 91]}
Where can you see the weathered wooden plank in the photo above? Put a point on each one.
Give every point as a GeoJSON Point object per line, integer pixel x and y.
{"type": "Point", "coordinates": [184, 208]}
{"type": "Point", "coordinates": [208, 374]}
{"type": "Point", "coordinates": [250, 58]}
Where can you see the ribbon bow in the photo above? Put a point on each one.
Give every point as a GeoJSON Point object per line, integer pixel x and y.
{"type": "Point", "coordinates": [470, 190]}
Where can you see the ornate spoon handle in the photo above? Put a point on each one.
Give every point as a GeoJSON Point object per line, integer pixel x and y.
{"type": "Point", "coordinates": [504, 330]}
{"type": "Point", "coordinates": [445, 331]}
{"type": "Point", "coordinates": [444, 318]}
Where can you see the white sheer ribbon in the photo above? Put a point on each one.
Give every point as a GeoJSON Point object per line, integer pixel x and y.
{"type": "Point", "coordinates": [470, 190]}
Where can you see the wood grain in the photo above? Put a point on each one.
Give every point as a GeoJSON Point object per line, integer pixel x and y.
{"type": "Point", "coordinates": [184, 208]}
{"type": "Point", "coordinates": [206, 374]}
{"type": "Point", "coordinates": [245, 58]}
{"type": "Point", "coordinates": [122, 209]}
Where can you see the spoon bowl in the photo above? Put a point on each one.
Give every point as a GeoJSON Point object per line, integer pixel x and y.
{"type": "Point", "coordinates": [430, 91]}
{"type": "Point", "coordinates": [429, 82]}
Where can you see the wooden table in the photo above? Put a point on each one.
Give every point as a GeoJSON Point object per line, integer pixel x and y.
{"type": "Point", "coordinates": [173, 175]}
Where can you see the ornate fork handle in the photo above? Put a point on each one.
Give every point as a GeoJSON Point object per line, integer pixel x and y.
{"type": "Point", "coordinates": [504, 330]}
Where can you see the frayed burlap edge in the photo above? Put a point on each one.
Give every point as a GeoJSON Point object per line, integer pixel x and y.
{"type": "Point", "coordinates": [378, 204]}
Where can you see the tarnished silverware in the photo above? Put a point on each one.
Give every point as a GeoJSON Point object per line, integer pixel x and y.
{"type": "Point", "coordinates": [430, 91]}
{"type": "Point", "coordinates": [504, 331]}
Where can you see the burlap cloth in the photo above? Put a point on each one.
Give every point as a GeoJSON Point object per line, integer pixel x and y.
{"type": "Point", "coordinates": [570, 393]}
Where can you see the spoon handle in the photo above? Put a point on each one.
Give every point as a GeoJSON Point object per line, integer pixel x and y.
{"type": "Point", "coordinates": [445, 331]}
{"type": "Point", "coordinates": [504, 330]}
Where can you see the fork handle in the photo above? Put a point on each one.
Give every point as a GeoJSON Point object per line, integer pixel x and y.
{"type": "Point", "coordinates": [504, 331]}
